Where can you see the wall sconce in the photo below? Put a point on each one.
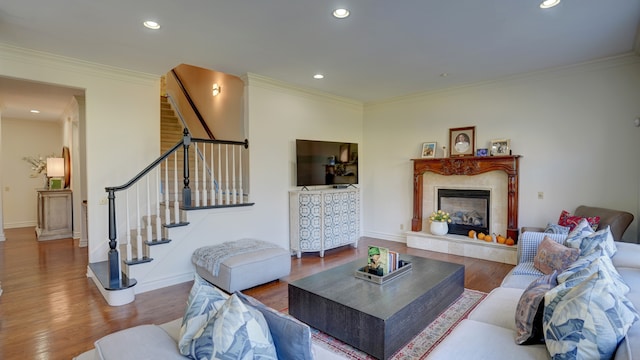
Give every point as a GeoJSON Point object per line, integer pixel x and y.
{"type": "Point", "coordinates": [55, 172]}
{"type": "Point", "coordinates": [216, 89]}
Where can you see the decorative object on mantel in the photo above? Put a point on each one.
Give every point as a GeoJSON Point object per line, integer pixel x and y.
{"type": "Point", "coordinates": [439, 222]}
{"type": "Point", "coordinates": [482, 152]}
{"type": "Point", "coordinates": [428, 150]}
{"type": "Point", "coordinates": [500, 147]}
{"type": "Point", "coordinates": [462, 141]}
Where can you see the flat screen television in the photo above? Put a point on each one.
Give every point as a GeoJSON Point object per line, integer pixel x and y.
{"type": "Point", "coordinates": [326, 163]}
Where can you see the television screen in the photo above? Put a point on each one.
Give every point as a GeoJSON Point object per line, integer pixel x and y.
{"type": "Point", "coordinates": [326, 163]}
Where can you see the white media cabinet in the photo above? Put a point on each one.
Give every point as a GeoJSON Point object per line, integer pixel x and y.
{"type": "Point", "coordinates": [324, 219]}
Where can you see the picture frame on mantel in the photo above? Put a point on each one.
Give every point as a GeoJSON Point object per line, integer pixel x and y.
{"type": "Point", "coordinates": [500, 147]}
{"type": "Point", "coordinates": [462, 141]}
{"type": "Point", "coordinates": [428, 150]}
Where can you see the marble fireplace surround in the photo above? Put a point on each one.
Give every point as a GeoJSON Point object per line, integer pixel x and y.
{"type": "Point", "coordinates": [489, 167]}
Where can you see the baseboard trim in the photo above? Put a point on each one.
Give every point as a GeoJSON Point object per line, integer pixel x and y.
{"type": "Point", "coordinates": [144, 286]}
{"type": "Point", "coordinates": [386, 236]}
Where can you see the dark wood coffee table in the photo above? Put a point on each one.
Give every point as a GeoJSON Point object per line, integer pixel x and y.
{"type": "Point", "coordinates": [377, 319]}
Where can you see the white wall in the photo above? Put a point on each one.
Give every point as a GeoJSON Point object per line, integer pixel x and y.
{"type": "Point", "coordinates": [122, 132]}
{"type": "Point", "coordinates": [278, 114]}
{"type": "Point", "coordinates": [20, 139]}
{"type": "Point", "coordinates": [573, 127]}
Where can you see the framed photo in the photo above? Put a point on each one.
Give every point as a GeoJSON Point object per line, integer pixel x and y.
{"type": "Point", "coordinates": [482, 152]}
{"type": "Point", "coordinates": [462, 141]}
{"type": "Point", "coordinates": [500, 147]}
{"type": "Point", "coordinates": [55, 183]}
{"type": "Point", "coordinates": [429, 150]}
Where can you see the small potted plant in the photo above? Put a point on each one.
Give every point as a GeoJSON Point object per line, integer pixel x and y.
{"type": "Point", "coordinates": [439, 222]}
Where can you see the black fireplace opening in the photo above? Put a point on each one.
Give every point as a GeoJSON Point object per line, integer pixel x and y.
{"type": "Point", "coordinates": [469, 209]}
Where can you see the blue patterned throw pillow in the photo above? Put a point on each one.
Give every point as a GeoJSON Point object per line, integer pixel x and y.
{"type": "Point", "coordinates": [585, 239]}
{"type": "Point", "coordinates": [234, 332]}
{"type": "Point", "coordinates": [204, 301]}
{"type": "Point", "coordinates": [556, 229]}
{"type": "Point", "coordinates": [586, 320]}
{"type": "Point", "coordinates": [590, 264]}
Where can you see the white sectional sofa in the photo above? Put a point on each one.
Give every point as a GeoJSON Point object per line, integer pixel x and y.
{"type": "Point", "coordinates": [489, 332]}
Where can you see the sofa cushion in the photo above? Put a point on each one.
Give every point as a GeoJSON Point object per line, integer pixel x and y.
{"type": "Point", "coordinates": [552, 256]}
{"type": "Point", "coordinates": [477, 340]}
{"type": "Point", "coordinates": [291, 337]}
{"type": "Point", "coordinates": [586, 320]}
{"type": "Point", "coordinates": [585, 239]}
{"type": "Point", "coordinates": [628, 255]}
{"type": "Point", "coordinates": [529, 310]}
{"type": "Point", "coordinates": [144, 342]}
{"type": "Point", "coordinates": [556, 229]}
{"type": "Point", "coordinates": [235, 332]}
{"type": "Point", "coordinates": [498, 307]}
{"type": "Point", "coordinates": [629, 347]}
{"type": "Point", "coordinates": [204, 301]}
{"type": "Point", "coordinates": [571, 221]}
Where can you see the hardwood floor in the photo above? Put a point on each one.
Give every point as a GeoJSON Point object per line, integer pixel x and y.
{"type": "Point", "coordinates": [51, 310]}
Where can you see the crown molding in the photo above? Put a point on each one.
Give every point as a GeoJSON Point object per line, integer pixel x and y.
{"type": "Point", "coordinates": [63, 63]}
{"type": "Point", "coordinates": [251, 79]}
{"type": "Point", "coordinates": [594, 65]}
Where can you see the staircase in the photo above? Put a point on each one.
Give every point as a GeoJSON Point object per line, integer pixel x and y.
{"type": "Point", "coordinates": [152, 210]}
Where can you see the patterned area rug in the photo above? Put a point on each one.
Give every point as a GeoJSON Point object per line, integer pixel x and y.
{"type": "Point", "coordinates": [421, 345]}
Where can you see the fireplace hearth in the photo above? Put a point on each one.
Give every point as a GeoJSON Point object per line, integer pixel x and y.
{"type": "Point", "coordinates": [469, 209]}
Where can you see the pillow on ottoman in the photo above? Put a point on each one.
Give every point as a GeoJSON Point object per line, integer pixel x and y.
{"type": "Point", "coordinates": [552, 256]}
{"type": "Point", "coordinates": [530, 308]}
{"type": "Point", "coordinates": [137, 343]}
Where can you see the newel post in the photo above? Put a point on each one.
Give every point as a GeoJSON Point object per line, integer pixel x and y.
{"type": "Point", "coordinates": [113, 256]}
{"type": "Point", "coordinates": [186, 191]}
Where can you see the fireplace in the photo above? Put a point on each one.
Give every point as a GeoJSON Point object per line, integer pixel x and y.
{"type": "Point", "coordinates": [470, 167]}
{"type": "Point", "coordinates": [469, 209]}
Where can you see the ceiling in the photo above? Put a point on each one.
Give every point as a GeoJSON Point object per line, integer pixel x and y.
{"type": "Point", "coordinates": [385, 49]}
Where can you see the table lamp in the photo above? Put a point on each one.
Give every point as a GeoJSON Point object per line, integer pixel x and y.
{"type": "Point", "coordinates": [55, 172]}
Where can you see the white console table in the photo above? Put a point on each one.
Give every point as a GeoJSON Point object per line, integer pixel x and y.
{"type": "Point", "coordinates": [324, 219]}
{"type": "Point", "coordinates": [55, 219]}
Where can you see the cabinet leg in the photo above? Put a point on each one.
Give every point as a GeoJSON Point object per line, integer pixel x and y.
{"type": "Point", "coordinates": [321, 253]}
{"type": "Point", "coordinates": [299, 254]}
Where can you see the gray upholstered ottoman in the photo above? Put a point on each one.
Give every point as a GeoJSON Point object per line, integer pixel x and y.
{"type": "Point", "coordinates": [241, 264]}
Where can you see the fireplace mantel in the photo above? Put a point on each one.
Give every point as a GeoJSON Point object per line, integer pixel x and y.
{"type": "Point", "coordinates": [468, 166]}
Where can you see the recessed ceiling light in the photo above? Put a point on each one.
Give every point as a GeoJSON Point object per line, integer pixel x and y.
{"type": "Point", "coordinates": [34, 111]}
{"type": "Point", "coordinates": [546, 4]}
{"type": "Point", "coordinates": [341, 13]}
{"type": "Point", "coordinates": [318, 76]}
{"type": "Point", "coordinates": [149, 24]}
{"type": "Point", "coordinates": [444, 74]}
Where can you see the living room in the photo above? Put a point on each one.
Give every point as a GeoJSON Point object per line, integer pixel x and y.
{"type": "Point", "coordinates": [573, 126]}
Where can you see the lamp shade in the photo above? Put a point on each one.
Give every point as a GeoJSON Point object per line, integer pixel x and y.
{"type": "Point", "coordinates": [55, 167]}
